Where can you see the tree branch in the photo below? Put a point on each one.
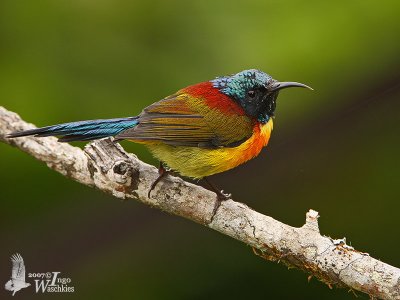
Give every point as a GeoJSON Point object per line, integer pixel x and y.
{"type": "Point", "coordinates": [106, 166]}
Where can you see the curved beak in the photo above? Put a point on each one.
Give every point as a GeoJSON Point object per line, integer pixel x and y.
{"type": "Point", "coordinates": [276, 86]}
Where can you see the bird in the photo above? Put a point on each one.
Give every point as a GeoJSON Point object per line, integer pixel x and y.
{"type": "Point", "coordinates": [201, 130]}
{"type": "Point", "coordinates": [17, 281]}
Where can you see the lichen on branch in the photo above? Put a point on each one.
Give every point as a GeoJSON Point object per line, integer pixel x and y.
{"type": "Point", "coordinates": [104, 165]}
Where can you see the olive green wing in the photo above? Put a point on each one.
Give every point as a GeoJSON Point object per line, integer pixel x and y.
{"type": "Point", "coordinates": [183, 120]}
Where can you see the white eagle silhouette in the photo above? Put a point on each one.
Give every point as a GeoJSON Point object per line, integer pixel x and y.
{"type": "Point", "coordinates": [17, 281]}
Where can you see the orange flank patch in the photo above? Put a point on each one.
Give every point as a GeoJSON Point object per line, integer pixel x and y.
{"type": "Point", "coordinates": [250, 148]}
{"type": "Point", "coordinates": [214, 98]}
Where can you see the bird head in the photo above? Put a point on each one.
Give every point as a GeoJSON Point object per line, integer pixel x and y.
{"type": "Point", "coordinates": [255, 91]}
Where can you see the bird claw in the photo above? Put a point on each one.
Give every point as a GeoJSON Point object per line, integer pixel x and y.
{"type": "Point", "coordinates": [221, 197]}
{"type": "Point", "coordinates": [224, 196]}
{"type": "Point", "coordinates": [162, 172]}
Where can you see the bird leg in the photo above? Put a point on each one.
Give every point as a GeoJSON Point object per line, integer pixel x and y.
{"type": "Point", "coordinates": [161, 173]}
{"type": "Point", "coordinates": [220, 193]}
{"type": "Point", "coordinates": [221, 196]}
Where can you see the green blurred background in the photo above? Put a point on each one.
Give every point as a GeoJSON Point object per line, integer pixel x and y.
{"type": "Point", "coordinates": [335, 150]}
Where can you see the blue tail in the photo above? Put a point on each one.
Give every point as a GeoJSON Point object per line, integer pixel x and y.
{"type": "Point", "coordinates": [82, 130]}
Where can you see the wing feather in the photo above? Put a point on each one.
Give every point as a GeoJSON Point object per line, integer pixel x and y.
{"type": "Point", "coordinates": [18, 267]}
{"type": "Point", "coordinates": [183, 120]}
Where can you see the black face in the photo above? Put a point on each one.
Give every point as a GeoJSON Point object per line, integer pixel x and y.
{"type": "Point", "coordinates": [260, 103]}
{"type": "Point", "coordinates": [255, 91]}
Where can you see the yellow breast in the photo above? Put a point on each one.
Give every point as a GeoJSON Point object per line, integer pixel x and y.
{"type": "Point", "coordinates": [199, 162]}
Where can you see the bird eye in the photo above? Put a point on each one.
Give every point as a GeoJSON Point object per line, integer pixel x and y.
{"type": "Point", "coordinates": [251, 93]}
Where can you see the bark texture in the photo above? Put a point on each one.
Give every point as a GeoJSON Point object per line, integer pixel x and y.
{"type": "Point", "coordinates": [105, 165]}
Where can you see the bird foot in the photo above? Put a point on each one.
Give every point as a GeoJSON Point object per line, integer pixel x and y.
{"type": "Point", "coordinates": [218, 203]}
{"type": "Point", "coordinates": [223, 196]}
{"type": "Point", "coordinates": [162, 172]}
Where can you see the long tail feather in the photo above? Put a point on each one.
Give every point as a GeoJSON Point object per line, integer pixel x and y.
{"type": "Point", "coordinates": [82, 130]}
